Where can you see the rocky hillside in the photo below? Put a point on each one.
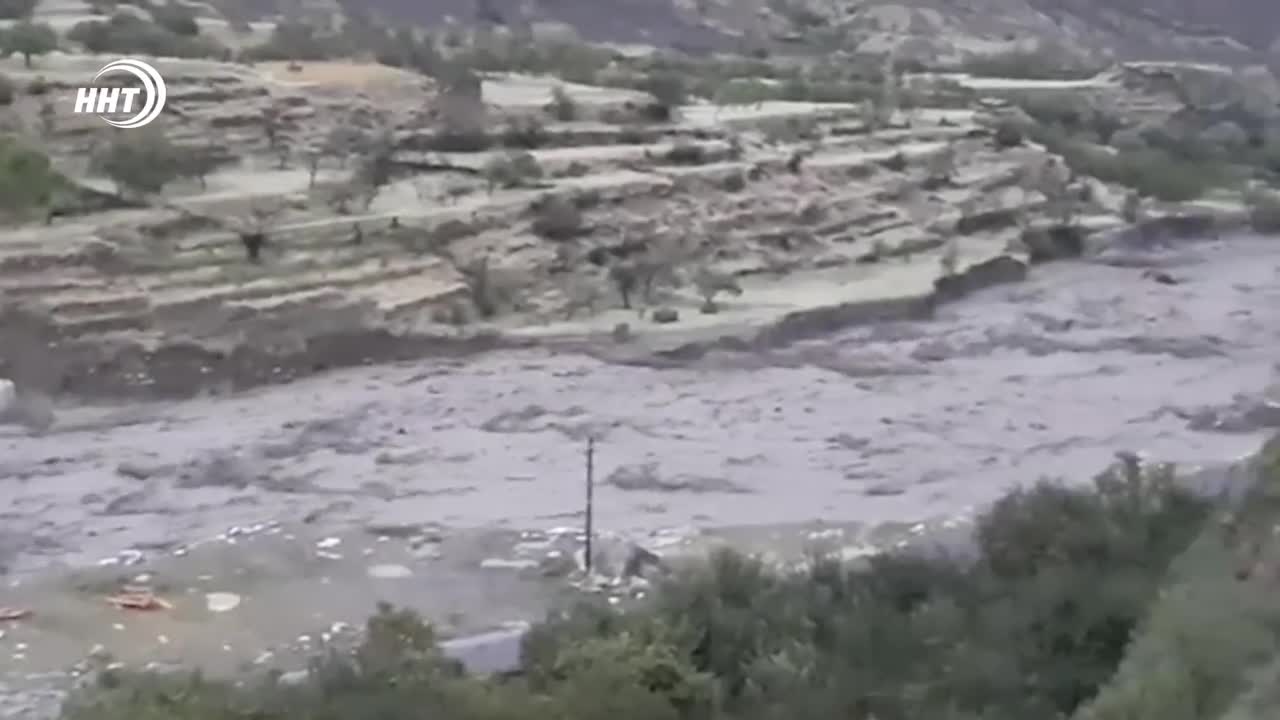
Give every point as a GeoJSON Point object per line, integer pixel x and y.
{"type": "Point", "coordinates": [1126, 27]}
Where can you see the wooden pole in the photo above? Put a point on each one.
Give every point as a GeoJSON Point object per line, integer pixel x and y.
{"type": "Point", "coordinates": [590, 529]}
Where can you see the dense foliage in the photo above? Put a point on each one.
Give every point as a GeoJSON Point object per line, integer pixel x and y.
{"type": "Point", "coordinates": [28, 181]}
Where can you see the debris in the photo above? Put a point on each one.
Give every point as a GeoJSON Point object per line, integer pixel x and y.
{"type": "Point", "coordinates": [501, 564]}
{"type": "Point", "coordinates": [389, 572]}
{"type": "Point", "coordinates": [124, 557]}
{"type": "Point", "coordinates": [139, 601]}
{"type": "Point", "coordinates": [220, 602]}
{"type": "Point", "coordinates": [11, 613]}
{"type": "Point", "coordinates": [329, 542]}
{"type": "Point", "coordinates": [639, 562]}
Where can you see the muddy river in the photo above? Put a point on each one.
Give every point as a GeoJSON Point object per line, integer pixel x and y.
{"type": "Point", "coordinates": [893, 423]}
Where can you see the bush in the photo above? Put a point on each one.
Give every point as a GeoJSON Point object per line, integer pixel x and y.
{"type": "Point", "coordinates": [1073, 115]}
{"type": "Point", "coordinates": [17, 9]}
{"type": "Point", "coordinates": [525, 131]}
{"type": "Point", "coordinates": [27, 179]}
{"type": "Point", "coordinates": [1032, 629]}
{"type": "Point", "coordinates": [1152, 172]}
{"type": "Point", "coordinates": [1215, 632]}
{"type": "Point", "coordinates": [563, 108]}
{"type": "Point", "coordinates": [1008, 135]}
{"type": "Point", "coordinates": [512, 170]}
{"type": "Point", "coordinates": [556, 218]}
{"type": "Point", "coordinates": [667, 88]}
{"type": "Point", "coordinates": [8, 90]}
{"type": "Point", "coordinates": [140, 162]}
{"type": "Point", "coordinates": [1030, 65]}
{"type": "Point", "coordinates": [292, 40]}
{"type": "Point", "coordinates": [687, 153]}
{"type": "Point", "coordinates": [30, 39]}
{"type": "Point", "coordinates": [1264, 211]}
{"type": "Point", "coordinates": [177, 19]}
{"type": "Point", "coordinates": [38, 86]}
{"type": "Point", "coordinates": [126, 34]}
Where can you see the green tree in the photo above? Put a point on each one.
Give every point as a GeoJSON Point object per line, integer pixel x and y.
{"type": "Point", "coordinates": [140, 162]}
{"type": "Point", "coordinates": [30, 39]}
{"type": "Point", "coordinates": [8, 90]}
{"type": "Point", "coordinates": [668, 89]}
{"type": "Point", "coordinates": [16, 9]}
{"type": "Point", "coordinates": [177, 19]}
{"type": "Point", "coordinates": [27, 180]}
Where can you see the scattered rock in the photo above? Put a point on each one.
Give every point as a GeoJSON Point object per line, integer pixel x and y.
{"type": "Point", "coordinates": [137, 471]}
{"type": "Point", "coordinates": [645, 476]}
{"type": "Point", "coordinates": [222, 470]}
{"type": "Point", "coordinates": [665, 316]}
{"type": "Point", "coordinates": [513, 422]}
{"type": "Point", "coordinates": [220, 602]}
{"type": "Point", "coordinates": [1161, 277]}
{"type": "Point", "coordinates": [32, 410]}
{"type": "Point", "coordinates": [504, 564]}
{"type": "Point", "coordinates": [293, 677]}
{"type": "Point", "coordinates": [1059, 242]}
{"type": "Point", "coordinates": [389, 572]}
{"type": "Point", "coordinates": [401, 457]}
{"type": "Point", "coordinates": [998, 270]}
{"type": "Point", "coordinates": [883, 490]}
{"type": "Point", "coordinates": [558, 565]}
{"type": "Point", "coordinates": [641, 562]}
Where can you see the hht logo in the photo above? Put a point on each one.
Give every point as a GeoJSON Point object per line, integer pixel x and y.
{"type": "Point", "coordinates": [102, 100]}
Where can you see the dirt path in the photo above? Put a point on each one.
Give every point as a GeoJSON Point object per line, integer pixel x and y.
{"type": "Point", "coordinates": [888, 423]}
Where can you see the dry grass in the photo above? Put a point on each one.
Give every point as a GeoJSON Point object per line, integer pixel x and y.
{"type": "Point", "coordinates": [339, 73]}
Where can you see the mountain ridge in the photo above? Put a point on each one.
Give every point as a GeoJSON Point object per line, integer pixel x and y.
{"type": "Point", "coordinates": [1162, 27]}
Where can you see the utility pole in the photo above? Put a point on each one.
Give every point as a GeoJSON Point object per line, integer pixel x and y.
{"type": "Point", "coordinates": [590, 529]}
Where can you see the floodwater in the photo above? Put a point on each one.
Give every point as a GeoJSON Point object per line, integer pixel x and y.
{"type": "Point", "coordinates": [892, 423]}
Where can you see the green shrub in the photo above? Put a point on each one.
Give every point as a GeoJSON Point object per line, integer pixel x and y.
{"type": "Point", "coordinates": [512, 170]}
{"type": "Point", "coordinates": [292, 40]}
{"type": "Point", "coordinates": [125, 33]}
{"type": "Point", "coordinates": [38, 86]}
{"type": "Point", "coordinates": [28, 181]}
{"type": "Point", "coordinates": [1152, 172]}
{"type": "Point", "coordinates": [1261, 698]}
{"type": "Point", "coordinates": [1073, 115]}
{"type": "Point", "coordinates": [1264, 211]}
{"type": "Point", "coordinates": [524, 131]}
{"type": "Point", "coordinates": [177, 19]}
{"type": "Point", "coordinates": [556, 218]}
{"type": "Point", "coordinates": [563, 108]}
{"type": "Point", "coordinates": [17, 9]}
{"type": "Point", "coordinates": [29, 39]}
{"type": "Point", "coordinates": [140, 162]}
{"type": "Point", "coordinates": [668, 89]}
{"type": "Point", "coordinates": [1029, 65]}
{"type": "Point", "coordinates": [462, 141]}
{"type": "Point", "coordinates": [687, 153]}
{"type": "Point", "coordinates": [1008, 134]}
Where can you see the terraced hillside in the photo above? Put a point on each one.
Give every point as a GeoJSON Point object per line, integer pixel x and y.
{"type": "Point", "coordinates": [722, 220]}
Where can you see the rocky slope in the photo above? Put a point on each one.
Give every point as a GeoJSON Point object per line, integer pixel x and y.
{"type": "Point", "coordinates": [1127, 27]}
